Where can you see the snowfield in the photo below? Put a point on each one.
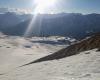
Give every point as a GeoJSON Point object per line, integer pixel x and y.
{"type": "Point", "coordinates": [17, 51]}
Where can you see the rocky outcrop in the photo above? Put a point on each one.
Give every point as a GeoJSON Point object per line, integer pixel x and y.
{"type": "Point", "coordinates": [86, 44]}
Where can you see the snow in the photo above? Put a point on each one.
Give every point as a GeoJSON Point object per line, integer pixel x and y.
{"type": "Point", "coordinates": [16, 51]}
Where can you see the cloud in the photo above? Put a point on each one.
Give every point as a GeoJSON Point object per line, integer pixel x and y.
{"type": "Point", "coordinates": [16, 10]}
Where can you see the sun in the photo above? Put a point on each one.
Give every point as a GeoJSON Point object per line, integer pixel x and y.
{"type": "Point", "coordinates": [42, 5]}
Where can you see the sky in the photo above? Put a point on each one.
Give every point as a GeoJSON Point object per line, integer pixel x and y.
{"type": "Point", "coordinates": [68, 6]}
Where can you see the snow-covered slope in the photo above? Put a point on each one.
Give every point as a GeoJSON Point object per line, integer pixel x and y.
{"type": "Point", "coordinates": [79, 67]}
{"type": "Point", "coordinates": [16, 51]}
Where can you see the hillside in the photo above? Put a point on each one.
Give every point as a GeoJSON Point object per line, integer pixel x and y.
{"type": "Point", "coordinates": [84, 45]}
{"type": "Point", "coordinates": [16, 51]}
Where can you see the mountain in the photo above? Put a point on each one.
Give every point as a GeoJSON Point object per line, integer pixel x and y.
{"type": "Point", "coordinates": [84, 45]}
{"type": "Point", "coordinates": [16, 51]}
{"type": "Point", "coordinates": [10, 19]}
{"type": "Point", "coordinates": [64, 24]}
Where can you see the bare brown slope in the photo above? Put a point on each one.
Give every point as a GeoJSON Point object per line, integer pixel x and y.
{"type": "Point", "coordinates": [86, 44]}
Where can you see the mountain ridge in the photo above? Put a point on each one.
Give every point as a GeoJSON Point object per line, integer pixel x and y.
{"type": "Point", "coordinates": [83, 45]}
{"type": "Point", "coordinates": [71, 24]}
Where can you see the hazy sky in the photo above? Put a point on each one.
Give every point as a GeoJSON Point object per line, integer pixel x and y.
{"type": "Point", "coordinates": [77, 6]}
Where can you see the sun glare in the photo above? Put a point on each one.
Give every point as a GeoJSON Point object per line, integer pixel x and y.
{"type": "Point", "coordinates": [42, 5]}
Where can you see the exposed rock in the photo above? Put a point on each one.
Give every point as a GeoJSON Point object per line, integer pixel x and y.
{"type": "Point", "coordinates": [84, 45]}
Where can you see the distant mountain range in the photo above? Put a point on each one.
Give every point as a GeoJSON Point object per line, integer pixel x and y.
{"type": "Point", "coordinates": [64, 24]}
